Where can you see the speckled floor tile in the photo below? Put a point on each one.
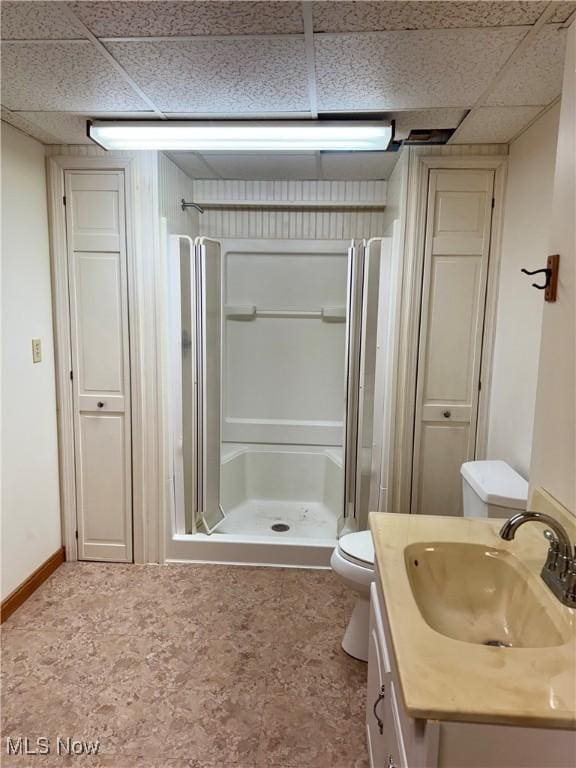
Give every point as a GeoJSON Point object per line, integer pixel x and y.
{"type": "Point", "coordinates": [187, 723]}
{"type": "Point", "coordinates": [185, 667]}
{"type": "Point", "coordinates": [304, 665]}
{"type": "Point", "coordinates": [312, 731]}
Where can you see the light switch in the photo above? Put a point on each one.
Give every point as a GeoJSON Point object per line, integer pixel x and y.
{"type": "Point", "coordinates": [36, 350]}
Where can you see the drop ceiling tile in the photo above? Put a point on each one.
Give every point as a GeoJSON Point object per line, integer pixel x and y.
{"type": "Point", "coordinates": [192, 165]}
{"type": "Point", "coordinates": [35, 21]}
{"type": "Point", "coordinates": [17, 121]}
{"type": "Point", "coordinates": [358, 165]}
{"type": "Point", "coordinates": [62, 77]}
{"type": "Point", "coordinates": [219, 75]}
{"type": "Point", "coordinates": [65, 127]}
{"type": "Point", "coordinates": [413, 119]}
{"type": "Point", "coordinates": [563, 12]}
{"type": "Point", "coordinates": [375, 16]}
{"type": "Point", "coordinates": [494, 124]}
{"type": "Point", "coordinates": [416, 69]}
{"type": "Point", "coordinates": [536, 77]}
{"type": "Point", "coordinates": [263, 166]}
{"type": "Point", "coordinates": [182, 19]}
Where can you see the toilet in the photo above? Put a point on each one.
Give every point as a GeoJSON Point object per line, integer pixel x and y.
{"type": "Point", "coordinates": [353, 561]}
{"type": "Point", "coordinates": [490, 489]}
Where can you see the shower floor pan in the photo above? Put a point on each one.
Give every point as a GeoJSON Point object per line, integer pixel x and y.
{"type": "Point", "coordinates": [265, 488]}
{"type": "Point", "coordinates": [267, 517]}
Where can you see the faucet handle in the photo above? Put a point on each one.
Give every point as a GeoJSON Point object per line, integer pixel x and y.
{"type": "Point", "coordinates": [553, 551]}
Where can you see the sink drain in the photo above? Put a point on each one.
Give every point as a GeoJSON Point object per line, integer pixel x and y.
{"type": "Point", "coordinates": [280, 527]}
{"type": "Point", "coordinates": [497, 644]}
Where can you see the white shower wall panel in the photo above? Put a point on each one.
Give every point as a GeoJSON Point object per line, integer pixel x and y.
{"type": "Point", "coordinates": [284, 372]}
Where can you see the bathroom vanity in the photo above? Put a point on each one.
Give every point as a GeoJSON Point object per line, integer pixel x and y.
{"type": "Point", "coordinates": [472, 663]}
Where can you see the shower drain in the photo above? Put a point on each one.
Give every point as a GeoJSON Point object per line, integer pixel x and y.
{"type": "Point", "coordinates": [280, 527]}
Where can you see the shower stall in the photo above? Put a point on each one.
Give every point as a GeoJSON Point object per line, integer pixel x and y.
{"type": "Point", "coordinates": [275, 411]}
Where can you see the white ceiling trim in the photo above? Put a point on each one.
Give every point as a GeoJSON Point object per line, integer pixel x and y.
{"type": "Point", "coordinates": [522, 46]}
{"type": "Point", "coordinates": [200, 38]}
{"type": "Point", "coordinates": [268, 35]}
{"type": "Point", "coordinates": [108, 56]}
{"type": "Point", "coordinates": [310, 57]}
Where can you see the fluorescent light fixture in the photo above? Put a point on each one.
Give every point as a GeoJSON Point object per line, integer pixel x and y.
{"type": "Point", "coordinates": [243, 136]}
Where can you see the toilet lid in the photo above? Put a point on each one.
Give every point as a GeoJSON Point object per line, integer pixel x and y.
{"type": "Point", "coordinates": [358, 546]}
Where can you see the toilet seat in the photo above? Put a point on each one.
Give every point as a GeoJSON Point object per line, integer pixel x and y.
{"type": "Point", "coordinates": [358, 548]}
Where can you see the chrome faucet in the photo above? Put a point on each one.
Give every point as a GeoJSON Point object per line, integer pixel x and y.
{"type": "Point", "coordinates": [559, 571]}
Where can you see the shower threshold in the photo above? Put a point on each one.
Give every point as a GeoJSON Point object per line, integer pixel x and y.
{"type": "Point", "coordinates": [278, 549]}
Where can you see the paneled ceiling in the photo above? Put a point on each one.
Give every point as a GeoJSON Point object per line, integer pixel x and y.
{"type": "Point", "coordinates": [486, 68]}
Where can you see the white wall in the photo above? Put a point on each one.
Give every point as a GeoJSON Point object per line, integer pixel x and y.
{"type": "Point", "coordinates": [525, 237]}
{"type": "Point", "coordinates": [553, 463]}
{"type": "Point", "coordinates": [30, 494]}
{"type": "Point", "coordinates": [174, 186]}
{"type": "Point", "coordinates": [300, 224]}
{"type": "Point", "coordinates": [396, 193]}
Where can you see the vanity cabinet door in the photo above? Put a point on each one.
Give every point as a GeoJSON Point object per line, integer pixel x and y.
{"type": "Point", "coordinates": [383, 732]}
{"type": "Point", "coordinates": [378, 681]}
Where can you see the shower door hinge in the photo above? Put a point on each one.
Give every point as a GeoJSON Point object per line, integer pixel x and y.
{"type": "Point", "coordinates": [71, 375]}
{"type": "Point", "coordinates": [64, 200]}
{"type": "Point", "coordinates": [76, 534]}
{"type": "Point", "coordinates": [493, 202]}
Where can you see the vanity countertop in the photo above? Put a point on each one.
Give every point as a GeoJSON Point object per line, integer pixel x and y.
{"type": "Point", "coordinates": [447, 679]}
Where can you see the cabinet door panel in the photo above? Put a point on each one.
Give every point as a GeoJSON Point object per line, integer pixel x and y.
{"type": "Point", "coordinates": [98, 288]}
{"type": "Point", "coordinates": [456, 257]}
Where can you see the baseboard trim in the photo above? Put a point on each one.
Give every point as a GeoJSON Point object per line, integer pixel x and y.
{"type": "Point", "coordinates": [31, 584]}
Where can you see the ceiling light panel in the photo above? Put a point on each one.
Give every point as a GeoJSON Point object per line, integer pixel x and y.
{"type": "Point", "coordinates": [281, 136]}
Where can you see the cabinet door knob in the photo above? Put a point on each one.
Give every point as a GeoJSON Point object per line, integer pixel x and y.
{"type": "Point", "coordinates": [379, 720]}
{"type": "Point", "coordinates": [447, 414]}
{"type": "Point", "coordinates": [100, 404]}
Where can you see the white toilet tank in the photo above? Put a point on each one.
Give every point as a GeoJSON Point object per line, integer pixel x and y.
{"type": "Point", "coordinates": [492, 489]}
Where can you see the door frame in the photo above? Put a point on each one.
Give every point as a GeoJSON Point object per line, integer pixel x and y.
{"type": "Point", "coordinates": [142, 238]}
{"type": "Point", "coordinates": [420, 165]}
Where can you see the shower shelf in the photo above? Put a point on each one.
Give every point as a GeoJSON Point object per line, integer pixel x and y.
{"type": "Point", "coordinates": [250, 312]}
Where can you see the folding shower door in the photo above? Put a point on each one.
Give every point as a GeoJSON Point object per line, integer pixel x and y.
{"type": "Point", "coordinates": [195, 359]}
{"type": "Point", "coordinates": [209, 337]}
{"type": "Point", "coordinates": [356, 256]}
{"type": "Point", "coordinates": [369, 296]}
